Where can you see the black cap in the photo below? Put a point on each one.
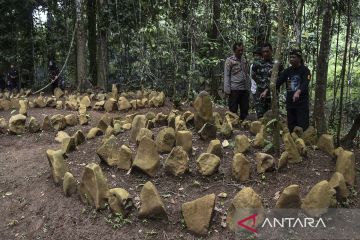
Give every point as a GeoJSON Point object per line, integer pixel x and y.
{"type": "Point", "coordinates": [296, 52]}
{"type": "Point", "coordinates": [257, 50]}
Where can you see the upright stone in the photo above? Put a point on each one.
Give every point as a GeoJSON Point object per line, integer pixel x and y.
{"type": "Point", "coordinates": [289, 198]}
{"type": "Point", "coordinates": [147, 158]}
{"type": "Point", "coordinates": [177, 163]}
{"type": "Point", "coordinates": [46, 125]}
{"type": "Point", "coordinates": [120, 201]}
{"type": "Point", "coordinates": [291, 148]}
{"type": "Point", "coordinates": [264, 162]}
{"type": "Point", "coordinates": [326, 144]}
{"type": "Point", "coordinates": [57, 164]}
{"type": "Point", "coordinates": [151, 204]}
{"type": "Point", "coordinates": [58, 122]}
{"type": "Point", "coordinates": [203, 110]}
{"type": "Point", "coordinates": [242, 144]}
{"type": "Point", "coordinates": [58, 93]}
{"type": "Point", "coordinates": [24, 106]}
{"type": "Point", "coordinates": [79, 137]}
{"type": "Point", "coordinates": [208, 163]}
{"type": "Point", "coordinates": [197, 214]}
{"type": "Point", "coordinates": [208, 131]}
{"type": "Point", "coordinates": [184, 139]}
{"type": "Point", "coordinates": [68, 144]}
{"type": "Point", "coordinates": [17, 124]}
{"type": "Point", "coordinates": [114, 91]}
{"type": "Point", "coordinates": [138, 122]}
{"type": "Point", "coordinates": [337, 182]}
{"type": "Point", "coordinates": [34, 125]}
{"type": "Point", "coordinates": [71, 120]}
{"type": "Point", "coordinates": [215, 148]}
{"type": "Point", "coordinates": [69, 184]}
{"type": "Point", "coordinates": [345, 164]}
{"type": "Point", "coordinates": [310, 136]}
{"type": "Point", "coordinates": [165, 140]}
{"type": "Point", "coordinates": [240, 167]}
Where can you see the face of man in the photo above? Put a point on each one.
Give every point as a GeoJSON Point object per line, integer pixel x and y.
{"type": "Point", "coordinates": [239, 51]}
{"type": "Point", "coordinates": [266, 53]}
{"type": "Point", "coordinates": [12, 66]}
{"type": "Point", "coordinates": [294, 60]}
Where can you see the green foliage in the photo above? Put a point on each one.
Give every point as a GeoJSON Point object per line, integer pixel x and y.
{"type": "Point", "coordinates": [116, 220]}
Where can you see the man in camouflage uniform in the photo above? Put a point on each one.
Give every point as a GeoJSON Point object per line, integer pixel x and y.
{"type": "Point", "coordinates": [237, 81]}
{"type": "Point", "coordinates": [261, 74]}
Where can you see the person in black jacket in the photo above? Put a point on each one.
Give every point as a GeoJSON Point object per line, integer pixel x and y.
{"type": "Point", "coordinates": [297, 78]}
{"type": "Point", "coordinates": [13, 78]}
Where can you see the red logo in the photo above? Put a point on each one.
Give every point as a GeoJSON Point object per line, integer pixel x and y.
{"type": "Point", "coordinates": [253, 217]}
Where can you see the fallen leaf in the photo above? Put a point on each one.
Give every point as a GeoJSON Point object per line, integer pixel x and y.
{"type": "Point", "coordinates": [277, 195]}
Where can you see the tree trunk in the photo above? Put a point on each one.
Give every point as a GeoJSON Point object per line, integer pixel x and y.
{"type": "Point", "coordinates": [80, 45]}
{"type": "Point", "coordinates": [298, 19]}
{"type": "Point", "coordinates": [274, 76]}
{"type": "Point", "coordinates": [102, 48]}
{"type": "Point", "coordinates": [91, 14]}
{"type": "Point", "coordinates": [343, 70]}
{"type": "Point", "coordinates": [213, 37]}
{"type": "Point", "coordinates": [353, 132]}
{"type": "Point", "coordinates": [322, 69]}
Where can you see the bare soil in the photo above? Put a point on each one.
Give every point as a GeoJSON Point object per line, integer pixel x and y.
{"type": "Point", "coordinates": [32, 207]}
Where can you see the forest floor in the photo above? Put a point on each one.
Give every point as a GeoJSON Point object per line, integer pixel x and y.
{"type": "Point", "coordinates": [32, 207]}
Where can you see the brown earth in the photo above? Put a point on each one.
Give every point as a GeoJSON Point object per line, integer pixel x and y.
{"type": "Point", "coordinates": [32, 207]}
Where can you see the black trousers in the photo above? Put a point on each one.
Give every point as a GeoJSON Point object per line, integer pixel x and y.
{"type": "Point", "coordinates": [239, 98]}
{"type": "Point", "coordinates": [298, 115]}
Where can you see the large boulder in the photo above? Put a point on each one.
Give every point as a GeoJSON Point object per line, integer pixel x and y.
{"type": "Point", "coordinates": [245, 203]}
{"type": "Point", "coordinates": [138, 122]}
{"type": "Point", "coordinates": [208, 163]}
{"type": "Point", "coordinates": [242, 144]}
{"type": "Point", "coordinates": [57, 164]}
{"type": "Point", "coordinates": [177, 163]}
{"type": "Point", "coordinates": [345, 164]}
{"type": "Point", "coordinates": [151, 204]}
{"type": "Point", "coordinates": [184, 139]}
{"type": "Point", "coordinates": [93, 187]}
{"type": "Point", "coordinates": [58, 122]}
{"type": "Point", "coordinates": [17, 124]}
{"type": "Point", "coordinates": [289, 198]}
{"type": "Point", "coordinates": [165, 140]}
{"type": "Point", "coordinates": [319, 199]}
{"type": "Point", "coordinates": [147, 158]}
{"type": "Point", "coordinates": [240, 167]}
{"type": "Point", "coordinates": [291, 148]}
{"type": "Point", "coordinates": [203, 110]}
{"type": "Point", "coordinates": [197, 214]}
{"type": "Point", "coordinates": [264, 162]}
{"type": "Point", "coordinates": [326, 144]}
{"type": "Point", "coordinates": [114, 155]}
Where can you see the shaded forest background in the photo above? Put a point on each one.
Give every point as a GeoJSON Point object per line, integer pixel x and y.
{"type": "Point", "coordinates": [179, 46]}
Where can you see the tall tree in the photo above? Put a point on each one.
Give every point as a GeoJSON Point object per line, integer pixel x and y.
{"type": "Point", "coordinates": [297, 24]}
{"type": "Point", "coordinates": [81, 45]}
{"type": "Point", "coordinates": [343, 70]}
{"type": "Point", "coordinates": [322, 69]}
{"type": "Point", "coordinates": [102, 44]}
{"type": "Point", "coordinates": [91, 16]}
{"type": "Point", "coordinates": [213, 38]}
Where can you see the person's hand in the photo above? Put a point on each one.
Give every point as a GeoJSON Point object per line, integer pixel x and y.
{"type": "Point", "coordinates": [296, 96]}
{"type": "Point", "coordinates": [263, 94]}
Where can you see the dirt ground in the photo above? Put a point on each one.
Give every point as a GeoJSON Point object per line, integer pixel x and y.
{"type": "Point", "coordinates": [32, 207]}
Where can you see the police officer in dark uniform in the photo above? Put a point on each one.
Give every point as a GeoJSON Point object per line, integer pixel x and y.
{"type": "Point", "coordinates": [56, 79]}
{"type": "Point", "coordinates": [297, 78]}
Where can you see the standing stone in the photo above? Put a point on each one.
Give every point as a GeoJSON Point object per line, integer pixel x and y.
{"type": "Point", "coordinates": [151, 204]}
{"type": "Point", "coordinates": [110, 105]}
{"type": "Point", "coordinates": [99, 106]}
{"type": "Point", "coordinates": [197, 214]}
{"type": "Point", "coordinates": [240, 167]}
{"type": "Point", "coordinates": [57, 164]}
{"type": "Point", "coordinates": [5, 104]}
{"type": "Point", "coordinates": [94, 132]}
{"type": "Point", "coordinates": [161, 119]}
{"type": "Point", "coordinates": [159, 100]}
{"type": "Point", "coordinates": [71, 120]}
{"type": "Point", "coordinates": [215, 148]}
{"type": "Point", "coordinates": [3, 126]}
{"type": "Point", "coordinates": [232, 118]}
{"type": "Point", "coordinates": [177, 163]}
{"type": "Point", "coordinates": [51, 102]}
{"type": "Point", "coordinates": [203, 110]}
{"type": "Point", "coordinates": [255, 127]}
{"type": "Point", "coordinates": [165, 140]}
{"type": "Point", "coordinates": [58, 122]}
{"type": "Point", "coordinates": [226, 129]}
{"type": "Point", "coordinates": [184, 139]}
{"type": "Point", "coordinates": [83, 119]}
{"type": "Point", "coordinates": [138, 122]}
{"type": "Point", "coordinates": [319, 199]}
{"type": "Point", "coordinates": [245, 203]}
{"type": "Point", "coordinates": [59, 105]}
{"type": "Point", "coordinates": [46, 125]}
{"type": "Point", "coordinates": [79, 137]}
{"type": "Point", "coordinates": [114, 91]}
{"type": "Point", "coordinates": [40, 102]}
{"type": "Point", "coordinates": [208, 163]}
{"type": "Point", "coordinates": [24, 106]}
{"type": "Point", "coordinates": [93, 187]}
{"type": "Point", "coordinates": [326, 144]}
{"type": "Point", "coordinates": [208, 131]}
{"type": "Point", "coordinates": [283, 160]}
{"type": "Point", "coordinates": [147, 158]}
{"type": "Point", "coordinates": [120, 201]}
{"type": "Point", "coordinates": [298, 131]}
{"type": "Point", "coordinates": [310, 136]}
{"type": "Point", "coordinates": [264, 162]}
{"type": "Point", "coordinates": [345, 164]}
{"type": "Point", "coordinates": [123, 104]}
{"type": "Point", "coordinates": [69, 184]}
{"type": "Point", "coordinates": [242, 144]}
{"type": "Point", "coordinates": [17, 124]}
{"type": "Point", "coordinates": [58, 93]}
{"type": "Point", "coordinates": [68, 144]}
{"type": "Point", "coordinates": [290, 147]}
{"type": "Point", "coordinates": [85, 101]}
{"type": "Point", "coordinates": [260, 138]}
{"type": "Point", "coordinates": [289, 198]}
{"type": "Point", "coordinates": [34, 125]}
{"type": "Point", "coordinates": [337, 182]}
{"type": "Point", "coordinates": [301, 147]}
{"type": "Point", "coordinates": [113, 155]}
{"type": "Point", "coordinates": [144, 132]}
